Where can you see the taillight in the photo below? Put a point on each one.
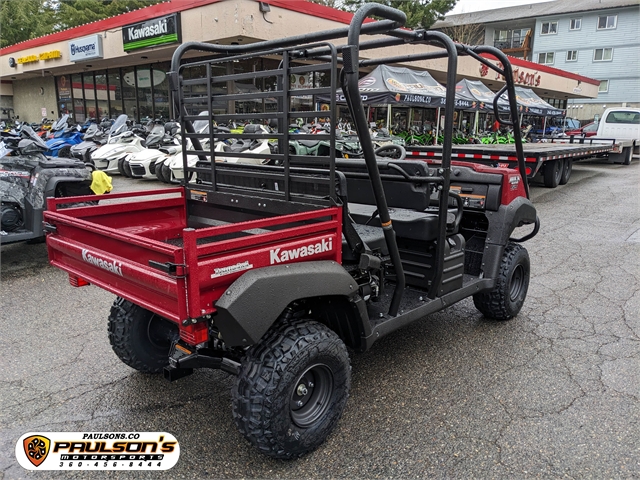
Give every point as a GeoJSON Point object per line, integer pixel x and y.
{"type": "Point", "coordinates": [77, 281]}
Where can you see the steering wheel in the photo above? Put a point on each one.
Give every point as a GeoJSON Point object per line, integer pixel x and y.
{"type": "Point", "coordinates": [396, 152]}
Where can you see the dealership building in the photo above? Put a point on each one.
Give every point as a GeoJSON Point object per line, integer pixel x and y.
{"type": "Point", "coordinates": [120, 64]}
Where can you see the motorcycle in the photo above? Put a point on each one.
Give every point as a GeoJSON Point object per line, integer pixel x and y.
{"type": "Point", "coordinates": [120, 145]}
{"type": "Point", "coordinates": [94, 137]}
{"type": "Point", "coordinates": [161, 142]}
{"type": "Point", "coordinates": [63, 137]}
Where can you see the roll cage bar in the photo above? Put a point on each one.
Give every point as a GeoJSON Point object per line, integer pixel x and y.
{"type": "Point", "coordinates": [316, 47]}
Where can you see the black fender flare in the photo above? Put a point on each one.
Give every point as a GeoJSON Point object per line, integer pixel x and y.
{"type": "Point", "coordinates": [509, 217]}
{"type": "Point", "coordinates": [502, 223]}
{"type": "Point", "coordinates": [252, 303]}
{"type": "Point", "coordinates": [53, 182]}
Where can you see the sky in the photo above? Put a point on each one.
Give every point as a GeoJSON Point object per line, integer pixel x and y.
{"type": "Point", "coordinates": [465, 6]}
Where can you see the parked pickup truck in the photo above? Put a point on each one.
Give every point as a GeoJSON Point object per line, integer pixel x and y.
{"type": "Point", "coordinates": [623, 124]}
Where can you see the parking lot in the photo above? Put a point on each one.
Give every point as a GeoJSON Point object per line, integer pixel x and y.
{"type": "Point", "coordinates": [553, 393]}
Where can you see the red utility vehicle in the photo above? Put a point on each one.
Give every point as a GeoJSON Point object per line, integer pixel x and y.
{"type": "Point", "coordinates": [270, 272]}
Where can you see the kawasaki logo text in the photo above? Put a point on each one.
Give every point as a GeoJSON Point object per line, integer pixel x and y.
{"type": "Point", "coordinates": [111, 266]}
{"type": "Point", "coordinates": [159, 28]}
{"type": "Point", "coordinates": [280, 255]}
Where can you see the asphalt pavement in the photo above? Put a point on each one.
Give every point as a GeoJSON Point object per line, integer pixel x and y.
{"type": "Point", "coordinates": [553, 393]}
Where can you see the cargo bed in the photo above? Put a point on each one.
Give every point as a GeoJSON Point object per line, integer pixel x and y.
{"type": "Point", "coordinates": [139, 246]}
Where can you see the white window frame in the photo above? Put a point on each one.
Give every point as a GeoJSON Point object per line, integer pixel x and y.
{"type": "Point", "coordinates": [573, 59]}
{"type": "Point", "coordinates": [604, 49]}
{"type": "Point", "coordinates": [546, 57]}
{"type": "Point", "coordinates": [605, 82]}
{"type": "Point", "coordinates": [549, 32]}
{"type": "Point", "coordinates": [576, 20]}
{"type": "Point", "coordinates": [615, 22]}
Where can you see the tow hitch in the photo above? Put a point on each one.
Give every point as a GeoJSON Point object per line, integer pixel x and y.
{"type": "Point", "coordinates": [182, 361]}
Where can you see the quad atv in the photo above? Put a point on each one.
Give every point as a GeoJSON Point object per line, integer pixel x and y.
{"type": "Point", "coordinates": [270, 272]}
{"type": "Point", "coordinates": [28, 178]}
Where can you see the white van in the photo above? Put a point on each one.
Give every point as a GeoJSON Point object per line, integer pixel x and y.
{"type": "Point", "coordinates": [623, 124]}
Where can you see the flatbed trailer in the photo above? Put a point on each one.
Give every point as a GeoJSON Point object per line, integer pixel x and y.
{"type": "Point", "coordinates": [552, 160]}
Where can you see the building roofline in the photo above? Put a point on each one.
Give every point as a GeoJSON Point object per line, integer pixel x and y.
{"type": "Point", "coordinates": [167, 8]}
{"type": "Point", "coordinates": [536, 10]}
{"type": "Point", "coordinates": [519, 62]}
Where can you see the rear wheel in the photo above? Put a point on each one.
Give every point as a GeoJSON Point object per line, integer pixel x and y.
{"type": "Point", "coordinates": [628, 155]}
{"type": "Point", "coordinates": [292, 389]}
{"type": "Point", "coordinates": [553, 173]}
{"type": "Point", "coordinates": [567, 168]}
{"type": "Point", "coordinates": [140, 338]}
{"type": "Point", "coordinates": [507, 297]}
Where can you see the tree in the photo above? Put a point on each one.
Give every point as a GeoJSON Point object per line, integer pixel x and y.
{"type": "Point", "coordinates": [420, 13]}
{"type": "Point", "coordinates": [72, 13]}
{"type": "Point", "coordinates": [470, 33]}
{"type": "Point", "coordinates": [22, 20]}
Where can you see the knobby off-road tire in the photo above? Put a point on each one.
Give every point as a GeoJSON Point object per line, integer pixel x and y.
{"type": "Point", "coordinates": [140, 338]}
{"type": "Point", "coordinates": [567, 168]}
{"type": "Point", "coordinates": [292, 389]}
{"type": "Point", "coordinates": [553, 173]}
{"type": "Point", "coordinates": [506, 299]}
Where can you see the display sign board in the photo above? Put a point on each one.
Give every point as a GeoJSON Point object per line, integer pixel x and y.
{"type": "Point", "coordinates": [157, 31]}
{"type": "Point", "coordinates": [86, 48]}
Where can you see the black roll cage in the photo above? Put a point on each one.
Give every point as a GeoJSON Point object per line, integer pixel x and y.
{"type": "Point", "coordinates": [316, 47]}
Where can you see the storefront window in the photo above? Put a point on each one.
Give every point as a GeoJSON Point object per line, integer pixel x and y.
{"type": "Point", "coordinates": [161, 91]}
{"type": "Point", "coordinates": [78, 99]}
{"type": "Point", "coordinates": [89, 95]}
{"type": "Point", "coordinates": [145, 93]}
{"type": "Point", "coordinates": [115, 94]}
{"type": "Point", "coordinates": [102, 94]}
{"type": "Point", "coordinates": [129, 92]}
{"type": "Point", "coordinates": [63, 85]}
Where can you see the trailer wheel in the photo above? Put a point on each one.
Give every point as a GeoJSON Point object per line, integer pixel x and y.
{"type": "Point", "coordinates": [567, 168]}
{"type": "Point", "coordinates": [140, 338]}
{"type": "Point", "coordinates": [507, 297]}
{"type": "Point", "coordinates": [292, 388]}
{"type": "Point", "coordinates": [553, 173]}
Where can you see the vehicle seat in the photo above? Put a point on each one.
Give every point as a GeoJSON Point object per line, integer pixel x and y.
{"type": "Point", "coordinates": [408, 193]}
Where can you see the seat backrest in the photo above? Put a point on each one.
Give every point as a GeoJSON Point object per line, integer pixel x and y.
{"type": "Point", "coordinates": [252, 128]}
{"type": "Point", "coordinates": [406, 183]}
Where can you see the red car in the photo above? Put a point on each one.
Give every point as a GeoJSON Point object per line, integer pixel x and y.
{"type": "Point", "coordinates": [589, 130]}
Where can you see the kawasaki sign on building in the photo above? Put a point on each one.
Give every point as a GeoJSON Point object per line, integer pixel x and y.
{"type": "Point", "coordinates": [152, 32]}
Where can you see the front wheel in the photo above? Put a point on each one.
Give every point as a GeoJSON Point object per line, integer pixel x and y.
{"type": "Point", "coordinates": [507, 297]}
{"type": "Point", "coordinates": [140, 338]}
{"type": "Point", "coordinates": [292, 389]}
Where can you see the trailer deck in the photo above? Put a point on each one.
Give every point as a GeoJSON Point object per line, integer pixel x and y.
{"type": "Point", "coordinates": [504, 155]}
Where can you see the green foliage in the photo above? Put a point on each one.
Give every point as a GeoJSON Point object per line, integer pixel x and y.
{"type": "Point", "coordinates": [420, 13]}
{"type": "Point", "coordinates": [72, 13]}
{"type": "Point", "coordinates": [22, 20]}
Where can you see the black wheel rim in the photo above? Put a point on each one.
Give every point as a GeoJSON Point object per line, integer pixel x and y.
{"type": "Point", "coordinates": [160, 332]}
{"type": "Point", "coordinates": [311, 395]}
{"type": "Point", "coordinates": [517, 283]}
